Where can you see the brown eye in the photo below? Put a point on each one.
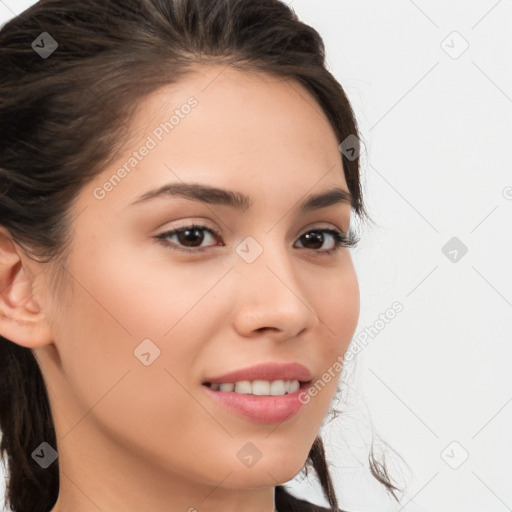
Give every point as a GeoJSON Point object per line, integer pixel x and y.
{"type": "Point", "coordinates": [191, 238]}
{"type": "Point", "coordinates": [188, 237]}
{"type": "Point", "coordinates": [317, 238]}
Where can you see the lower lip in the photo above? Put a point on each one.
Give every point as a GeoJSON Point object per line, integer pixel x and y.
{"type": "Point", "coordinates": [261, 408]}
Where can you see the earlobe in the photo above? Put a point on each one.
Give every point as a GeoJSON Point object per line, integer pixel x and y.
{"type": "Point", "coordinates": [22, 320]}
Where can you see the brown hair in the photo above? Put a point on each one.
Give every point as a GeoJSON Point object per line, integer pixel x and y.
{"type": "Point", "coordinates": [64, 117]}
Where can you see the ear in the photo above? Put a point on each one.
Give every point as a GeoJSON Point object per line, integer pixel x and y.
{"type": "Point", "coordinates": [22, 320]}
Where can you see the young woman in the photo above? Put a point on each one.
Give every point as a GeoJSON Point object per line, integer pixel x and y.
{"type": "Point", "coordinates": [177, 179]}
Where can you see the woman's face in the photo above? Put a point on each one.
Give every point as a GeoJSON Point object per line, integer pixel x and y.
{"type": "Point", "coordinates": [144, 322]}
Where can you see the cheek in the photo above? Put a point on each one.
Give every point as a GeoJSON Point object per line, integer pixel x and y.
{"type": "Point", "coordinates": [146, 297]}
{"type": "Point", "coordinates": [111, 308]}
{"type": "Point", "coordinates": [338, 306]}
{"type": "Point", "coordinates": [113, 304]}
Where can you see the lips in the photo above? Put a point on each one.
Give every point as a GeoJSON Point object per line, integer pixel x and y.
{"type": "Point", "coordinates": [265, 371]}
{"type": "Point", "coordinates": [259, 409]}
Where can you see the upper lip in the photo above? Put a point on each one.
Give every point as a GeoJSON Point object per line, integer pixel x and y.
{"type": "Point", "coordinates": [264, 371]}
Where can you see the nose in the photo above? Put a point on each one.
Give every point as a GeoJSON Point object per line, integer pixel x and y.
{"type": "Point", "coordinates": [271, 297]}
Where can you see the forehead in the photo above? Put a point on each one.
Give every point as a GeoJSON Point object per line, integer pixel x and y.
{"type": "Point", "coordinates": [231, 128]}
{"type": "Point", "coordinates": [239, 107]}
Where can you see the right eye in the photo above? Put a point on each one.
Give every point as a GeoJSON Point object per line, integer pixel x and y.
{"type": "Point", "coordinates": [189, 236]}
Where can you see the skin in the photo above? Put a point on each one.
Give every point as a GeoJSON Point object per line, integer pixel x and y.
{"type": "Point", "coordinates": [133, 437]}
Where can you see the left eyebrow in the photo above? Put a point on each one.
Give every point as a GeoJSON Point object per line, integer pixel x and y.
{"type": "Point", "coordinates": [238, 200]}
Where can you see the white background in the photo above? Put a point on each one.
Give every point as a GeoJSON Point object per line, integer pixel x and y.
{"type": "Point", "coordinates": [433, 386]}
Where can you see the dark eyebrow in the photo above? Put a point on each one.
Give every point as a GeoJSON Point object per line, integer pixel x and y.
{"type": "Point", "coordinates": [237, 200]}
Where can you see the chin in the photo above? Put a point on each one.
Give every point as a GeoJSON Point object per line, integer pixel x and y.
{"type": "Point", "coordinates": [273, 471]}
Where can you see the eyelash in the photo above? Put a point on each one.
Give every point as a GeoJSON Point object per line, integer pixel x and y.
{"type": "Point", "coordinates": [340, 239]}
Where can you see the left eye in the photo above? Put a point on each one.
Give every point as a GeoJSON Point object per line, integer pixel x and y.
{"type": "Point", "coordinates": [192, 237]}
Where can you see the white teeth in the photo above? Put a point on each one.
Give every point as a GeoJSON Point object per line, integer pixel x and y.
{"type": "Point", "coordinates": [294, 385]}
{"type": "Point", "coordinates": [259, 387]}
{"type": "Point", "coordinates": [244, 387]}
{"type": "Point", "coordinates": [277, 387]}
